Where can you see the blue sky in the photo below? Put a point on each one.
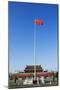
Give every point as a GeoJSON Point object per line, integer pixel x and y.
{"type": "Point", "coordinates": [21, 35]}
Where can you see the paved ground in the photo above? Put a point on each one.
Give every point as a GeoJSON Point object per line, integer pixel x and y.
{"type": "Point", "coordinates": [14, 85]}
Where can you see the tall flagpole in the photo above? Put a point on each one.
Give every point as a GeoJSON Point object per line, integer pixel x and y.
{"type": "Point", "coordinates": [39, 22]}
{"type": "Point", "coordinates": [34, 51]}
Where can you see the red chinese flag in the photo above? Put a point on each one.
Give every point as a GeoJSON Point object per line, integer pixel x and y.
{"type": "Point", "coordinates": [39, 22]}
